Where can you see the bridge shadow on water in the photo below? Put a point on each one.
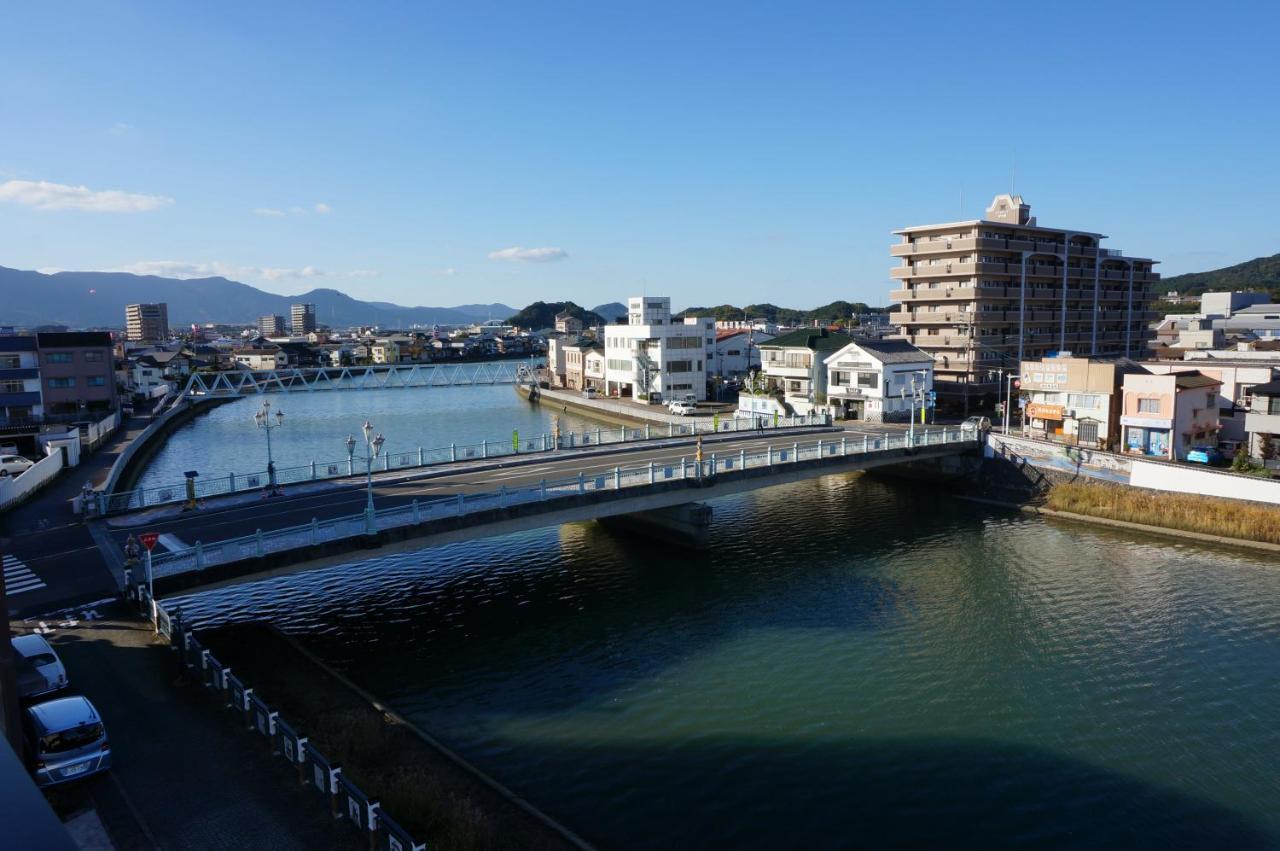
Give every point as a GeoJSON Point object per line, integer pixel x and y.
{"type": "Point", "coordinates": [912, 794]}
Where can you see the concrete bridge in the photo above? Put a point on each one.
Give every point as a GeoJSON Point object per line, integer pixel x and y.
{"type": "Point", "coordinates": [658, 489]}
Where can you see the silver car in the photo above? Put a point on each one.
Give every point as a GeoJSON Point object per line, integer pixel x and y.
{"type": "Point", "coordinates": [66, 740]}
{"type": "Point", "coordinates": [40, 671]}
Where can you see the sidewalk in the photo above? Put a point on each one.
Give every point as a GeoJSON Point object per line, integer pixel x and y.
{"type": "Point", "coordinates": [51, 505]}
{"type": "Point", "coordinates": [185, 775]}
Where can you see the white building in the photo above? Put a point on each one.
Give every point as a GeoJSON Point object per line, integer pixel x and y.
{"type": "Point", "coordinates": [654, 354]}
{"type": "Point", "coordinates": [735, 352]}
{"type": "Point", "coordinates": [793, 371]}
{"type": "Point", "coordinates": [878, 380]}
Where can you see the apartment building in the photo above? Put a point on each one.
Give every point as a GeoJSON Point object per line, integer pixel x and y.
{"type": "Point", "coordinates": [989, 293]}
{"type": "Point", "coordinates": [271, 326]}
{"type": "Point", "coordinates": [78, 372]}
{"type": "Point", "coordinates": [20, 397]}
{"type": "Point", "coordinates": [652, 353]}
{"type": "Point", "coordinates": [302, 319]}
{"type": "Point", "coordinates": [146, 323]}
{"type": "Point", "coordinates": [567, 323]}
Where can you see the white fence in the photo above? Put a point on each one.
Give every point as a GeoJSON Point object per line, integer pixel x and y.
{"type": "Point", "coordinates": [14, 489]}
{"type": "Point", "coordinates": [1183, 479]}
{"type": "Point", "coordinates": [260, 544]}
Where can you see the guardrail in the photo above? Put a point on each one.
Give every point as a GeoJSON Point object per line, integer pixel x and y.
{"type": "Point", "coordinates": [116, 503]}
{"type": "Point", "coordinates": [202, 556]}
{"type": "Point", "coordinates": [321, 775]}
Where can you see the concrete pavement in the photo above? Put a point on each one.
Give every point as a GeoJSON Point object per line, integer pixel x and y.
{"type": "Point", "coordinates": [185, 773]}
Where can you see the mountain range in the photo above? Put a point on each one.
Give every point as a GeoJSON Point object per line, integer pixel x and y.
{"type": "Point", "coordinates": [98, 299]}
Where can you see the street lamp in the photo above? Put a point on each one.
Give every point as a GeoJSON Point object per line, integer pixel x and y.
{"type": "Point", "coordinates": [263, 419]}
{"type": "Point", "coordinates": [372, 448]}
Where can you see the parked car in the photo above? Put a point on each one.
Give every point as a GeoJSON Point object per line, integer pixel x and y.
{"type": "Point", "coordinates": [977, 425]}
{"type": "Point", "coordinates": [589, 393]}
{"type": "Point", "coordinates": [682, 409]}
{"type": "Point", "coordinates": [66, 740]}
{"type": "Point", "coordinates": [15, 465]}
{"type": "Point", "coordinates": [40, 671]}
{"type": "Point", "coordinates": [1206, 455]}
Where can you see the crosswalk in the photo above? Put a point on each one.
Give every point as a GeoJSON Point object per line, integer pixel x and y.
{"type": "Point", "coordinates": [18, 578]}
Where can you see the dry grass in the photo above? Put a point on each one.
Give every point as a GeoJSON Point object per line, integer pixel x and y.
{"type": "Point", "coordinates": [1205, 514]}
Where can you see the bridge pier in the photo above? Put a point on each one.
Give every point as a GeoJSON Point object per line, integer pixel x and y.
{"type": "Point", "coordinates": [687, 525]}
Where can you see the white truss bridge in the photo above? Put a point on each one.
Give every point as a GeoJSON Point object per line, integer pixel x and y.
{"type": "Point", "coordinates": [243, 382]}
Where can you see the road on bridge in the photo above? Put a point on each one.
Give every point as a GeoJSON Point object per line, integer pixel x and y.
{"type": "Point", "coordinates": [71, 568]}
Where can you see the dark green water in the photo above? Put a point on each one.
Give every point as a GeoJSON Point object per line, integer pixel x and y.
{"type": "Point", "coordinates": [853, 664]}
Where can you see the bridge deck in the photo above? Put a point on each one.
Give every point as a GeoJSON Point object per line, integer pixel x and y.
{"type": "Point", "coordinates": [468, 505]}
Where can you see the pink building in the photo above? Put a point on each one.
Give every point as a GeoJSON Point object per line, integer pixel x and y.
{"type": "Point", "coordinates": [1164, 416]}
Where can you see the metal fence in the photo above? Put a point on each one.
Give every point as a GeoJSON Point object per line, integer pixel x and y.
{"type": "Point", "coordinates": [201, 556]}
{"type": "Point", "coordinates": [115, 503]}
{"type": "Point", "coordinates": [347, 803]}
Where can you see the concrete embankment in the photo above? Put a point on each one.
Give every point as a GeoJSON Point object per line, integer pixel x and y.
{"type": "Point", "coordinates": [133, 460]}
{"type": "Point", "coordinates": [422, 784]}
{"type": "Point", "coordinates": [607, 410]}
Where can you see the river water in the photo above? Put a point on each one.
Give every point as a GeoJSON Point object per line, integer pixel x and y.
{"type": "Point", "coordinates": [853, 663]}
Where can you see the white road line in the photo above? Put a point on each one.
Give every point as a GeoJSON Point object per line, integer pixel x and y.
{"type": "Point", "coordinates": [171, 542]}
{"type": "Point", "coordinates": [18, 578]}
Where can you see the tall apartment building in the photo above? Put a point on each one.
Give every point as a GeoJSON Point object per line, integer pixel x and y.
{"type": "Point", "coordinates": [146, 323]}
{"type": "Point", "coordinates": [78, 372]}
{"type": "Point", "coordinates": [986, 294]}
{"type": "Point", "coordinates": [271, 326]}
{"type": "Point", "coordinates": [303, 319]}
{"type": "Point", "coordinates": [654, 354]}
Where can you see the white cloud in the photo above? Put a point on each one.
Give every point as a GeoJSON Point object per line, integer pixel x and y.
{"type": "Point", "coordinates": [43, 195]}
{"type": "Point", "coordinates": [181, 269]}
{"type": "Point", "coordinates": [270, 211]}
{"type": "Point", "coordinates": [516, 254]}
{"type": "Point", "coordinates": [323, 208]}
{"type": "Point", "coordinates": [120, 128]}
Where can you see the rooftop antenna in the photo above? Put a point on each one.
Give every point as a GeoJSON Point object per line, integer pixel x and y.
{"type": "Point", "coordinates": [1013, 173]}
{"type": "Point", "coordinates": [962, 201]}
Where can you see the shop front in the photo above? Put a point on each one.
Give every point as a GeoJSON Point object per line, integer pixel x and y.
{"type": "Point", "coordinates": [1045, 419]}
{"type": "Point", "coordinates": [1151, 437]}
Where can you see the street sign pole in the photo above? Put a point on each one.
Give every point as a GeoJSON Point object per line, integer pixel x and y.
{"type": "Point", "coordinates": [151, 592]}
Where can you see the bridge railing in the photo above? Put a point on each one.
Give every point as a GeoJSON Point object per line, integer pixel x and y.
{"type": "Point", "coordinates": [420, 458]}
{"type": "Point", "coordinates": [202, 556]}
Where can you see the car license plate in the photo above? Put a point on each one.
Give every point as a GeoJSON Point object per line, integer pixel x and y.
{"type": "Point", "coordinates": [73, 770]}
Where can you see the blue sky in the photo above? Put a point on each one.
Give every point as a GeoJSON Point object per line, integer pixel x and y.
{"type": "Point", "coordinates": [448, 153]}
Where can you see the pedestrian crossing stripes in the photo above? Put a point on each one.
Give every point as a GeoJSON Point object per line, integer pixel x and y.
{"type": "Point", "coordinates": [18, 578]}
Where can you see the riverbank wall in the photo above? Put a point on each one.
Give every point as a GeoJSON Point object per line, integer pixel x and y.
{"type": "Point", "coordinates": [613, 411]}
{"type": "Point", "coordinates": [133, 460]}
{"type": "Point", "coordinates": [429, 789]}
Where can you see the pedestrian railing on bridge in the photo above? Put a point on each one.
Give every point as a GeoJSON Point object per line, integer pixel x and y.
{"type": "Point", "coordinates": [132, 500]}
{"type": "Point", "coordinates": [202, 556]}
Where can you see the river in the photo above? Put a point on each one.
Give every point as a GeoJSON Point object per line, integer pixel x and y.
{"type": "Point", "coordinates": [853, 663]}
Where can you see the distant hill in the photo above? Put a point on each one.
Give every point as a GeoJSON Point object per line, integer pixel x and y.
{"type": "Point", "coordinates": [1261, 273]}
{"type": "Point", "coordinates": [611, 311]}
{"type": "Point", "coordinates": [836, 311]}
{"type": "Point", "coordinates": [542, 314]}
{"type": "Point", "coordinates": [98, 299]}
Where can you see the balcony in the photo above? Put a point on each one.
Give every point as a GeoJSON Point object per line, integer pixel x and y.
{"type": "Point", "coordinates": [933, 246]}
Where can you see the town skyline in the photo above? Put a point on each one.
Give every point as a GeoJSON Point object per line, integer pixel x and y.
{"type": "Point", "coordinates": [645, 163]}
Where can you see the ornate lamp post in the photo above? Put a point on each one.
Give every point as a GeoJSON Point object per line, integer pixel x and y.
{"type": "Point", "coordinates": [263, 419]}
{"type": "Point", "coordinates": [372, 448]}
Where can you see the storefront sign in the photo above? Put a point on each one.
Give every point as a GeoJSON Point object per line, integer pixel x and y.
{"type": "Point", "coordinates": [1145, 422]}
{"type": "Point", "coordinates": [1041, 411]}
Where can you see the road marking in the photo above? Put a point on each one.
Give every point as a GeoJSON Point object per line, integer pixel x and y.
{"type": "Point", "coordinates": [171, 542]}
{"type": "Point", "coordinates": [18, 578]}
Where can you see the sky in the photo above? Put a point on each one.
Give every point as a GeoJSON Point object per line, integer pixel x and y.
{"type": "Point", "coordinates": [437, 154]}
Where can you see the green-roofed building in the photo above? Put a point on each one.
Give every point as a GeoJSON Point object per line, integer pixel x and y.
{"type": "Point", "coordinates": [792, 366]}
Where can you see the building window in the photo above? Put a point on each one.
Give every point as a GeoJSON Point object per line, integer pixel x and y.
{"type": "Point", "coordinates": [58, 357]}
{"type": "Point", "coordinates": [99, 381]}
{"type": "Point", "coordinates": [867, 379]}
{"type": "Point", "coordinates": [839, 379]}
{"type": "Point", "coordinates": [10, 361]}
{"type": "Point", "coordinates": [61, 383]}
{"type": "Point", "coordinates": [1148, 406]}
{"type": "Point", "coordinates": [1273, 405]}
{"type": "Point", "coordinates": [680, 366]}
{"type": "Point", "coordinates": [11, 387]}
{"type": "Point", "coordinates": [93, 357]}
